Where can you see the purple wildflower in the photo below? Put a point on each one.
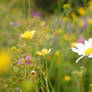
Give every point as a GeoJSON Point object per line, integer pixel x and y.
{"type": "Point", "coordinates": [85, 24]}
{"type": "Point", "coordinates": [15, 24]}
{"type": "Point", "coordinates": [20, 61]}
{"type": "Point", "coordinates": [28, 57]}
{"type": "Point", "coordinates": [81, 40]}
{"type": "Point", "coordinates": [36, 14]}
{"type": "Point", "coordinates": [28, 62]}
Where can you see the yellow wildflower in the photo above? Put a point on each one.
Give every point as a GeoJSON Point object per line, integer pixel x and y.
{"type": "Point", "coordinates": [42, 23]}
{"type": "Point", "coordinates": [72, 37]}
{"type": "Point", "coordinates": [68, 37]}
{"type": "Point", "coordinates": [4, 60]}
{"type": "Point", "coordinates": [82, 11]}
{"type": "Point", "coordinates": [90, 2]}
{"type": "Point", "coordinates": [90, 7]}
{"type": "Point", "coordinates": [90, 21]}
{"type": "Point", "coordinates": [90, 85]}
{"type": "Point", "coordinates": [73, 15]}
{"type": "Point", "coordinates": [66, 6]}
{"type": "Point", "coordinates": [43, 52]}
{"type": "Point", "coordinates": [28, 34]}
{"type": "Point", "coordinates": [67, 78]}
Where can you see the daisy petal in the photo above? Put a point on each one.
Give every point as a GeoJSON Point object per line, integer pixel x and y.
{"type": "Point", "coordinates": [90, 56]}
{"type": "Point", "coordinates": [74, 50]}
{"type": "Point", "coordinates": [79, 46]}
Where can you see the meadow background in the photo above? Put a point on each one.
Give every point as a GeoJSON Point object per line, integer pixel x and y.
{"type": "Point", "coordinates": [58, 25]}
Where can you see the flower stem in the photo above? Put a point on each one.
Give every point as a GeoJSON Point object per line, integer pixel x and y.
{"type": "Point", "coordinates": [25, 71]}
{"type": "Point", "coordinates": [29, 7]}
{"type": "Point", "coordinates": [25, 9]}
{"type": "Point", "coordinates": [46, 76]}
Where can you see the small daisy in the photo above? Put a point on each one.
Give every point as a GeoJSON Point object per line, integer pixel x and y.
{"type": "Point", "coordinates": [83, 49]}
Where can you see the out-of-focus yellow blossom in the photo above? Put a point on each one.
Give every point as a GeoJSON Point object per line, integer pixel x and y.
{"type": "Point", "coordinates": [42, 23]}
{"type": "Point", "coordinates": [67, 78]}
{"type": "Point", "coordinates": [90, 21]}
{"type": "Point", "coordinates": [57, 53]}
{"type": "Point", "coordinates": [28, 34]}
{"type": "Point", "coordinates": [66, 36]}
{"type": "Point", "coordinates": [43, 52]}
{"type": "Point", "coordinates": [82, 11]}
{"type": "Point", "coordinates": [72, 37]}
{"type": "Point", "coordinates": [5, 58]}
{"type": "Point", "coordinates": [90, 7]}
{"type": "Point", "coordinates": [69, 37]}
{"type": "Point", "coordinates": [90, 85]}
{"type": "Point", "coordinates": [59, 31]}
{"type": "Point", "coordinates": [66, 6]}
{"type": "Point", "coordinates": [74, 16]}
{"type": "Point", "coordinates": [90, 2]}
{"type": "Point", "coordinates": [73, 44]}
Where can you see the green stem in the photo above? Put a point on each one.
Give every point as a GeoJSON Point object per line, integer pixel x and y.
{"type": "Point", "coordinates": [47, 84]}
{"type": "Point", "coordinates": [29, 7]}
{"type": "Point", "coordinates": [25, 71]}
{"type": "Point", "coordinates": [46, 76]}
{"type": "Point", "coordinates": [25, 8]}
{"type": "Point", "coordinates": [64, 12]}
{"type": "Point", "coordinates": [42, 89]}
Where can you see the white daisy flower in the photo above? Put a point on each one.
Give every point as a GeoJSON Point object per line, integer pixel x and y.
{"type": "Point", "coordinates": [83, 49]}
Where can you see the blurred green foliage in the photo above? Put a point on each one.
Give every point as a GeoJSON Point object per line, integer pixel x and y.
{"type": "Point", "coordinates": [52, 5]}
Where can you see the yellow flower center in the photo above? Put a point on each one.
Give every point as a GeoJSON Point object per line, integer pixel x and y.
{"type": "Point", "coordinates": [88, 51]}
